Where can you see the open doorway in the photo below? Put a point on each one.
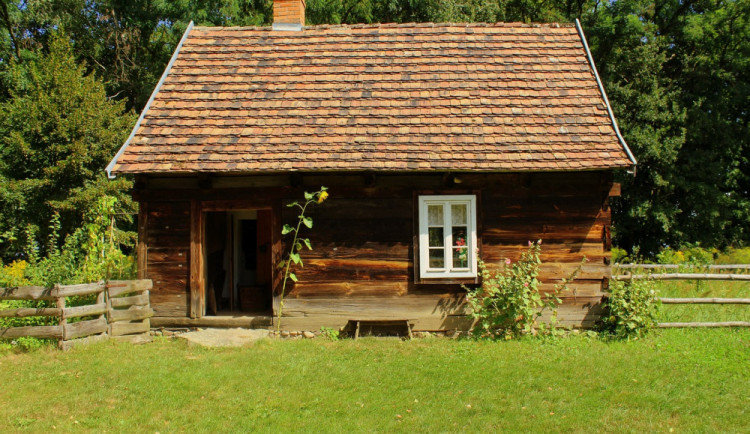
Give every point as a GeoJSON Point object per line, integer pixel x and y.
{"type": "Point", "coordinates": [238, 262]}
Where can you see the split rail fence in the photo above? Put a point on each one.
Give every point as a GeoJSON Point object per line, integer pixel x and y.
{"type": "Point", "coordinates": [680, 275]}
{"type": "Point", "coordinates": [121, 310]}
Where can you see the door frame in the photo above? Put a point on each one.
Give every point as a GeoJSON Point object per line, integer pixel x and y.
{"type": "Point", "coordinates": [198, 208]}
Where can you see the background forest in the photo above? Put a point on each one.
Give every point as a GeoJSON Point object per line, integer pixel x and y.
{"type": "Point", "coordinates": [75, 73]}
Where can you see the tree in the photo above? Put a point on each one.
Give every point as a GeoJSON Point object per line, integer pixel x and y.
{"type": "Point", "coordinates": [58, 130]}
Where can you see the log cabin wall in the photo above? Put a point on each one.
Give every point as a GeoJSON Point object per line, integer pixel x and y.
{"type": "Point", "coordinates": [363, 237]}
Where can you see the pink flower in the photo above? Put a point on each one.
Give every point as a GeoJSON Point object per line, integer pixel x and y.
{"type": "Point", "coordinates": [526, 284]}
{"type": "Point", "coordinates": [507, 261]}
{"type": "Point", "coordinates": [539, 242]}
{"type": "Point", "coordinates": [529, 243]}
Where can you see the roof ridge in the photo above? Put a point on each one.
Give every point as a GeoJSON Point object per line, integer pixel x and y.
{"type": "Point", "coordinates": [396, 25]}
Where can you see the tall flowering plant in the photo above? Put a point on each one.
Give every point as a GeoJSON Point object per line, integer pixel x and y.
{"type": "Point", "coordinates": [293, 255]}
{"type": "Point", "coordinates": [508, 302]}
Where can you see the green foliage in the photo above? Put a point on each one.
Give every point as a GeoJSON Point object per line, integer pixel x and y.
{"type": "Point", "coordinates": [330, 333]}
{"type": "Point", "coordinates": [734, 256]}
{"type": "Point", "coordinates": [677, 76]}
{"type": "Point", "coordinates": [295, 247]}
{"type": "Point", "coordinates": [631, 309]}
{"type": "Point", "coordinates": [620, 256]}
{"type": "Point", "coordinates": [58, 130]}
{"type": "Point", "coordinates": [689, 255]}
{"type": "Point", "coordinates": [508, 303]}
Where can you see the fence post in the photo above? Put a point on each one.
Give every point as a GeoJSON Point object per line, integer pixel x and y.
{"type": "Point", "coordinates": [63, 320]}
{"type": "Point", "coordinates": [109, 308]}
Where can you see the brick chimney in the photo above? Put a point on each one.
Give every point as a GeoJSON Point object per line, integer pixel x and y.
{"type": "Point", "coordinates": [288, 15]}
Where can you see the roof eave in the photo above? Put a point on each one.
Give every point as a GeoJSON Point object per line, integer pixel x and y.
{"type": "Point", "coordinates": [604, 96]}
{"type": "Point", "coordinates": [112, 163]}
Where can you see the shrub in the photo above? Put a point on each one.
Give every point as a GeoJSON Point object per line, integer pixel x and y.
{"type": "Point", "coordinates": [735, 256]}
{"type": "Point", "coordinates": [508, 303]}
{"type": "Point", "coordinates": [631, 309]}
{"type": "Point", "coordinates": [688, 255]}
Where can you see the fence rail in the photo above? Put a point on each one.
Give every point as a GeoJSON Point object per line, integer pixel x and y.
{"type": "Point", "coordinates": [683, 266]}
{"type": "Point", "coordinates": [691, 276]}
{"type": "Point", "coordinates": [121, 311]}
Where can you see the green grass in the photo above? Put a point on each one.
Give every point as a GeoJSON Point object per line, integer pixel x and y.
{"type": "Point", "coordinates": [703, 312]}
{"type": "Point", "coordinates": [686, 380]}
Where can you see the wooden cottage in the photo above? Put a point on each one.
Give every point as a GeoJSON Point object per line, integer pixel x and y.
{"type": "Point", "coordinates": [433, 139]}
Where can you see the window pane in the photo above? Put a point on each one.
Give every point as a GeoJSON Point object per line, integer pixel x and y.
{"type": "Point", "coordinates": [436, 237]}
{"type": "Point", "coordinates": [458, 214]}
{"type": "Point", "coordinates": [461, 257]}
{"type": "Point", "coordinates": [459, 236]}
{"type": "Point", "coordinates": [435, 215]}
{"type": "Point", "coordinates": [437, 258]}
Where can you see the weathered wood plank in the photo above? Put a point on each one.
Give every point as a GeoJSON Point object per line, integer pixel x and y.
{"type": "Point", "coordinates": [704, 300]}
{"type": "Point", "coordinates": [666, 325]}
{"type": "Point", "coordinates": [85, 328]}
{"type": "Point", "coordinates": [117, 288]}
{"type": "Point", "coordinates": [135, 300]}
{"type": "Point", "coordinates": [684, 276]}
{"type": "Point", "coordinates": [25, 312]}
{"type": "Point", "coordinates": [42, 332]}
{"type": "Point", "coordinates": [124, 328]}
{"type": "Point", "coordinates": [142, 246]}
{"type": "Point", "coordinates": [376, 307]}
{"type": "Point", "coordinates": [80, 289]}
{"type": "Point", "coordinates": [678, 266]}
{"type": "Point", "coordinates": [196, 259]}
{"type": "Point", "coordinates": [87, 310]}
{"type": "Point", "coordinates": [27, 293]}
{"type": "Point", "coordinates": [214, 321]}
{"type": "Point", "coordinates": [132, 314]}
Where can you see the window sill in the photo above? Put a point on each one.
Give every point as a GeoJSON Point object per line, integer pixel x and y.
{"type": "Point", "coordinates": [447, 280]}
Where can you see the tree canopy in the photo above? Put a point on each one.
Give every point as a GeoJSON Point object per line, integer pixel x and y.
{"type": "Point", "coordinates": [676, 72]}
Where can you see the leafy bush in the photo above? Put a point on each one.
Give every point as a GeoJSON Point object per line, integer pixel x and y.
{"type": "Point", "coordinates": [689, 255]}
{"type": "Point", "coordinates": [508, 302]}
{"type": "Point", "coordinates": [91, 253]}
{"type": "Point", "coordinates": [620, 256]}
{"type": "Point", "coordinates": [631, 309]}
{"type": "Point", "coordinates": [734, 256]}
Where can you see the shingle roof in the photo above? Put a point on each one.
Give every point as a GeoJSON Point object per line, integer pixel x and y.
{"type": "Point", "coordinates": [492, 97]}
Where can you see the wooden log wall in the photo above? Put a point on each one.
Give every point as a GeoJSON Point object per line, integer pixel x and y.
{"type": "Point", "coordinates": [167, 251]}
{"type": "Point", "coordinates": [363, 239]}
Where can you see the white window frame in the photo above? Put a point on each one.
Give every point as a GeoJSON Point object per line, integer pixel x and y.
{"type": "Point", "coordinates": [425, 272]}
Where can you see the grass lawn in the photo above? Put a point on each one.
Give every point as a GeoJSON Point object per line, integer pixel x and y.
{"type": "Point", "coordinates": [686, 380]}
{"type": "Point", "coordinates": [704, 312]}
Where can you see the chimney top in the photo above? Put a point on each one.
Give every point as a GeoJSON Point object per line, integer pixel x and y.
{"type": "Point", "coordinates": [288, 15]}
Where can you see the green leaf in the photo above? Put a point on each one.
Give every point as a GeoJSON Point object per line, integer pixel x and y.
{"type": "Point", "coordinates": [307, 221]}
{"type": "Point", "coordinates": [295, 257]}
{"type": "Point", "coordinates": [309, 196]}
{"type": "Point", "coordinates": [286, 229]}
{"type": "Point", "coordinates": [293, 276]}
{"type": "Point", "coordinates": [307, 243]}
{"type": "Point", "coordinates": [323, 188]}
{"type": "Point", "coordinates": [295, 203]}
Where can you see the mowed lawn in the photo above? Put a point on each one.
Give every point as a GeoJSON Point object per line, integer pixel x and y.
{"type": "Point", "coordinates": [681, 380]}
{"type": "Point", "coordinates": [704, 312]}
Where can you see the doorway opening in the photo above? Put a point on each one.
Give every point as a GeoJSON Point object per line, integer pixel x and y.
{"type": "Point", "coordinates": [238, 262]}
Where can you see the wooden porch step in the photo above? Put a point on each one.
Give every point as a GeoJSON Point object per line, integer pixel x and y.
{"type": "Point", "coordinates": [239, 321]}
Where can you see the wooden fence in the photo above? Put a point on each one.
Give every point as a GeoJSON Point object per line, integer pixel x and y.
{"type": "Point", "coordinates": [121, 310]}
{"type": "Point", "coordinates": [690, 276]}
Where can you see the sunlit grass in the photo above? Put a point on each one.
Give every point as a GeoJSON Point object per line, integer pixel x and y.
{"type": "Point", "coordinates": [686, 380]}
{"type": "Point", "coordinates": [704, 312]}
